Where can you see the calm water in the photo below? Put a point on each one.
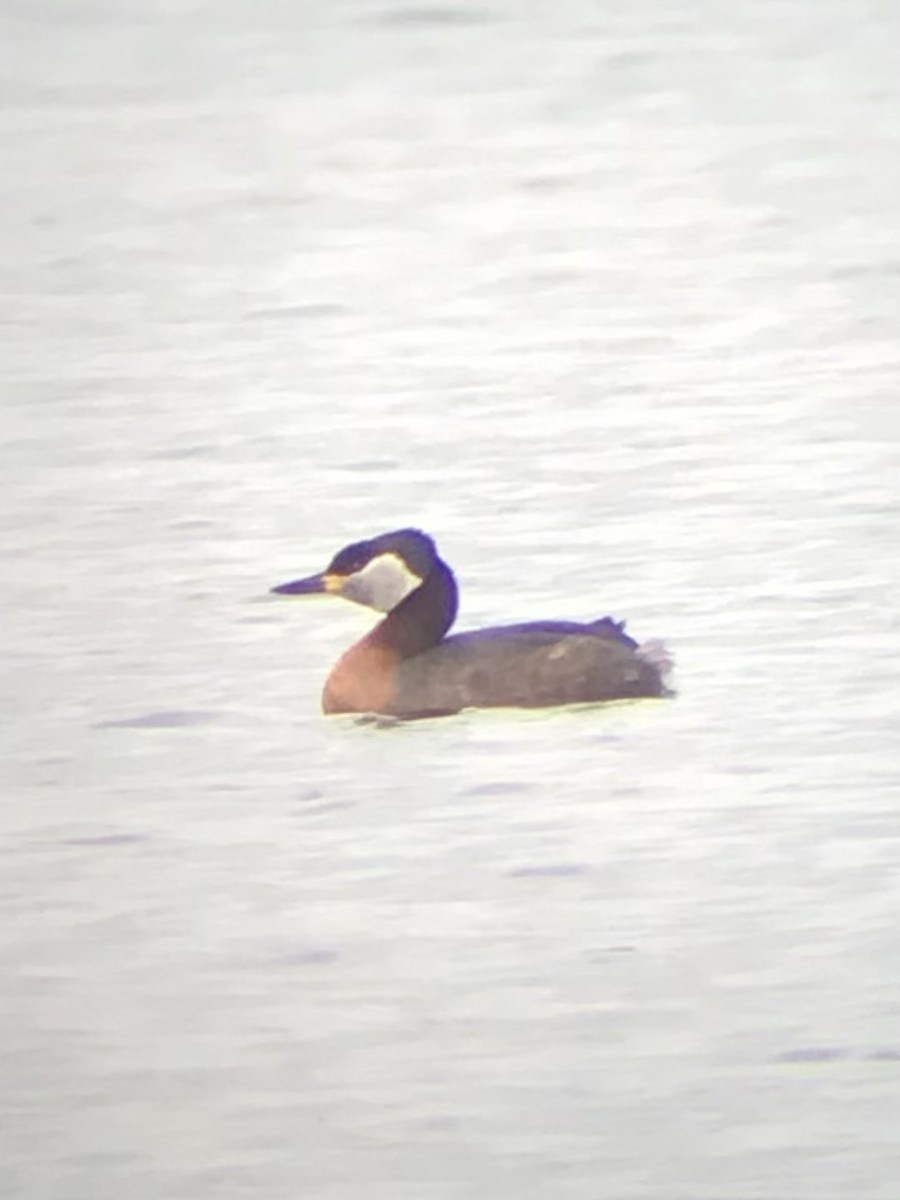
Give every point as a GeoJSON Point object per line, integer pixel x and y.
{"type": "Point", "coordinates": [607, 298]}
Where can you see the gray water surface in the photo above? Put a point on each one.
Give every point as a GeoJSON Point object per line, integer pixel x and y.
{"type": "Point", "coordinates": [605, 297]}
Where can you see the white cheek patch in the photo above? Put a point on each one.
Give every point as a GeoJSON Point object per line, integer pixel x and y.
{"type": "Point", "coordinates": [381, 584]}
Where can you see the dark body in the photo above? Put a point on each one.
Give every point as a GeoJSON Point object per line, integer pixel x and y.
{"type": "Point", "coordinates": [522, 666]}
{"type": "Point", "coordinates": [407, 666]}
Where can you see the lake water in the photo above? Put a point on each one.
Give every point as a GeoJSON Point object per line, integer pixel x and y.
{"type": "Point", "coordinates": [607, 298]}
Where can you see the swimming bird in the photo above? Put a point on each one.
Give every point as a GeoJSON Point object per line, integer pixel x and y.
{"type": "Point", "coordinates": [407, 667]}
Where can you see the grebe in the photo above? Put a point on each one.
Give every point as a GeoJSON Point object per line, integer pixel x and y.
{"type": "Point", "coordinates": [407, 667]}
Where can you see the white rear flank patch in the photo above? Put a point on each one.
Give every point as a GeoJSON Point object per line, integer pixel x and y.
{"type": "Point", "coordinates": [382, 583]}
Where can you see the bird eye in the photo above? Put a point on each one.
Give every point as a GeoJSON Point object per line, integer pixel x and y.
{"type": "Point", "coordinates": [348, 563]}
